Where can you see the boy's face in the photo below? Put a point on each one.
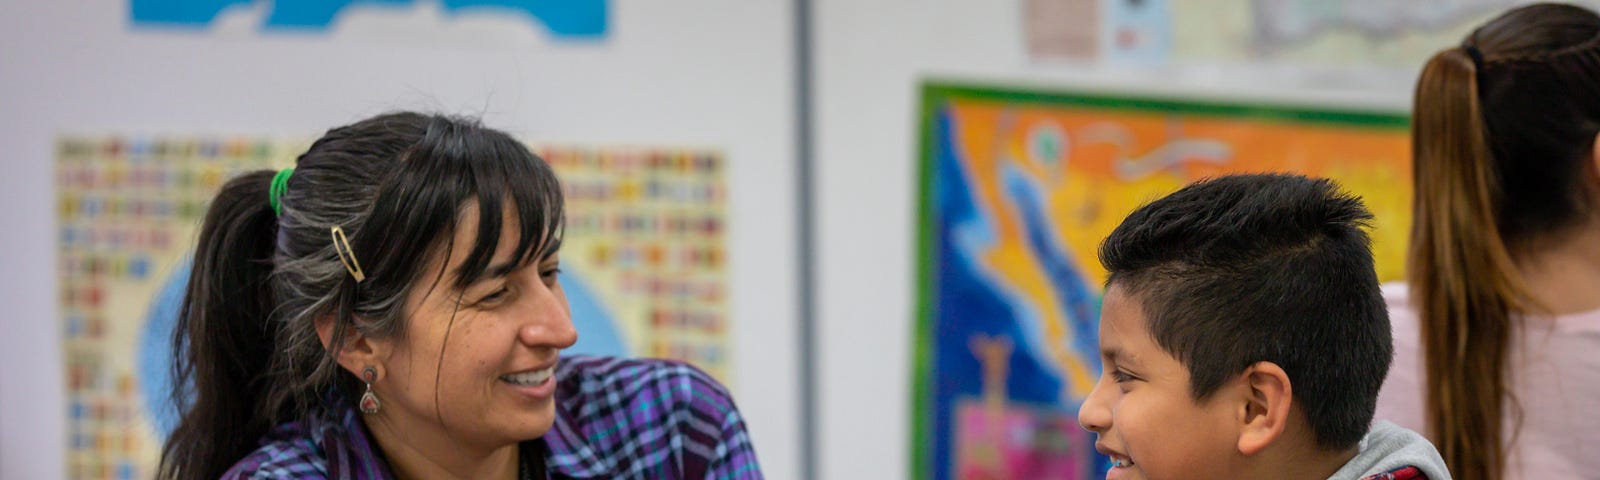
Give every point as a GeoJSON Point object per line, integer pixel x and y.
{"type": "Point", "coordinates": [1142, 411]}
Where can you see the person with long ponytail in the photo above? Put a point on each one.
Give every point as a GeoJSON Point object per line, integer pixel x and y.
{"type": "Point", "coordinates": [1497, 331]}
{"type": "Point", "coordinates": [391, 308]}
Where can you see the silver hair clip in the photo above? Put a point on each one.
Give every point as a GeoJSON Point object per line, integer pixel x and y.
{"type": "Point", "coordinates": [341, 244]}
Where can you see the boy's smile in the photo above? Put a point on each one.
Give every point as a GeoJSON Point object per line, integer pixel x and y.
{"type": "Point", "coordinates": [1120, 463]}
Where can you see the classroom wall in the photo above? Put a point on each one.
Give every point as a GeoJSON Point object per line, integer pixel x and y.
{"type": "Point", "coordinates": [693, 73]}
{"type": "Point", "coordinates": [715, 73]}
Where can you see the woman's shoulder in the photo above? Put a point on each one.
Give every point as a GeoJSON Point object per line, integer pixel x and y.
{"type": "Point", "coordinates": [289, 451]}
{"type": "Point", "coordinates": [619, 415]}
{"type": "Point", "coordinates": [329, 444]}
{"type": "Point", "coordinates": [1403, 316]}
{"type": "Point", "coordinates": [1401, 398]}
{"type": "Point", "coordinates": [1397, 295]}
{"type": "Point", "coordinates": [587, 376]}
{"type": "Point", "coordinates": [1405, 327]}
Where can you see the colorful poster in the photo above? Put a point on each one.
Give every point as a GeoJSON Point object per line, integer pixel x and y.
{"type": "Point", "coordinates": [643, 260]}
{"type": "Point", "coordinates": [1346, 33]}
{"type": "Point", "coordinates": [566, 19]}
{"type": "Point", "coordinates": [1067, 29]}
{"type": "Point", "coordinates": [1122, 31]}
{"type": "Point", "coordinates": [1017, 190]}
{"type": "Point", "coordinates": [1382, 34]}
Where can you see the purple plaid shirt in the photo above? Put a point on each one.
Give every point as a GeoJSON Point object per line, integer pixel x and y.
{"type": "Point", "coordinates": [615, 418]}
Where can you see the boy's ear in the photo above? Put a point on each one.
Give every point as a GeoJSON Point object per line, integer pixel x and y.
{"type": "Point", "coordinates": [1265, 411]}
{"type": "Point", "coordinates": [355, 351]}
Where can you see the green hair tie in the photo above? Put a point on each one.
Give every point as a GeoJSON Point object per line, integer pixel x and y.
{"type": "Point", "coordinates": [280, 184]}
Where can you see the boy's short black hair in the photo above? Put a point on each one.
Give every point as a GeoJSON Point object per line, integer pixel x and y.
{"type": "Point", "coordinates": [1263, 267]}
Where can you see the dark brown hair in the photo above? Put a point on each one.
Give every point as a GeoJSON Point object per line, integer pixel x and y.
{"type": "Point", "coordinates": [249, 356]}
{"type": "Point", "coordinates": [1503, 132]}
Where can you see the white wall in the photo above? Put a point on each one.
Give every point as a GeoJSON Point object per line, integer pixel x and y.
{"type": "Point", "coordinates": [714, 73]}
{"type": "Point", "coordinates": [871, 57]}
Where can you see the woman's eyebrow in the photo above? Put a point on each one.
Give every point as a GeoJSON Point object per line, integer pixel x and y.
{"type": "Point", "coordinates": [500, 270]}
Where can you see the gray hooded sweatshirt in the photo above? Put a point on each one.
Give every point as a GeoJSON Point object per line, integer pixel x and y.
{"type": "Point", "coordinates": [1388, 447]}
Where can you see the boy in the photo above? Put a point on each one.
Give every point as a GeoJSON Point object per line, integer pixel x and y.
{"type": "Point", "coordinates": [1243, 335]}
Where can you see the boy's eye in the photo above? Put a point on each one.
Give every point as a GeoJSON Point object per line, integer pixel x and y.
{"type": "Point", "coordinates": [1119, 376]}
{"type": "Point", "coordinates": [550, 274]}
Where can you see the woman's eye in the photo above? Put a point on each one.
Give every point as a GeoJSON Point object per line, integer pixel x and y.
{"type": "Point", "coordinates": [496, 296]}
{"type": "Point", "coordinates": [550, 274]}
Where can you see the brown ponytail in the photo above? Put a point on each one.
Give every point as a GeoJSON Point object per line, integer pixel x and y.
{"type": "Point", "coordinates": [1503, 133]}
{"type": "Point", "coordinates": [1471, 285]}
{"type": "Point", "coordinates": [224, 335]}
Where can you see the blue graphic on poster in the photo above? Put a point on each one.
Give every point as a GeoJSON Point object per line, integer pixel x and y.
{"type": "Point", "coordinates": [563, 18]}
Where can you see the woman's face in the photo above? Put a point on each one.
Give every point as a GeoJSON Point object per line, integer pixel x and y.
{"type": "Point", "coordinates": [476, 364]}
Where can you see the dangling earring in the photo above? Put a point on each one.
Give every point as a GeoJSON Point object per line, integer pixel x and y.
{"type": "Point", "coordinates": [369, 401]}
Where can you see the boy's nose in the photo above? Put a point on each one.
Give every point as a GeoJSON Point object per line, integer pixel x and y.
{"type": "Point", "coordinates": [1094, 415]}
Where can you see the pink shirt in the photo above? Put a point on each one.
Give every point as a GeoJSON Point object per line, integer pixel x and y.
{"type": "Point", "coordinates": [1555, 374]}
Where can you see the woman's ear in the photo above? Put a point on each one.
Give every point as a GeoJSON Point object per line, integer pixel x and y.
{"type": "Point", "coordinates": [1265, 414]}
{"type": "Point", "coordinates": [353, 351]}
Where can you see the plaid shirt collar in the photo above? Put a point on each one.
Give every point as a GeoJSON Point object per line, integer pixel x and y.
{"type": "Point", "coordinates": [568, 454]}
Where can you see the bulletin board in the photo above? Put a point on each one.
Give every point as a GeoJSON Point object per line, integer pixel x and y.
{"type": "Point", "coordinates": [644, 268]}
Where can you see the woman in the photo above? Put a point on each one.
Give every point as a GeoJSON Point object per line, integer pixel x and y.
{"type": "Point", "coordinates": [1496, 338]}
{"type": "Point", "coordinates": [390, 308]}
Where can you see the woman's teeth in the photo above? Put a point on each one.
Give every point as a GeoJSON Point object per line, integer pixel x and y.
{"type": "Point", "coordinates": [529, 379]}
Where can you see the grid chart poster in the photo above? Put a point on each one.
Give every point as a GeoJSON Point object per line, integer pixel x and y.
{"type": "Point", "coordinates": [643, 268]}
{"type": "Point", "coordinates": [1018, 187]}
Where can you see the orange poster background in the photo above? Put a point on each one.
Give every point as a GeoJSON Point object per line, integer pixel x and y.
{"type": "Point", "coordinates": [1088, 197]}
